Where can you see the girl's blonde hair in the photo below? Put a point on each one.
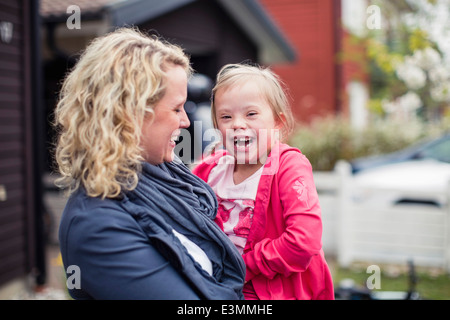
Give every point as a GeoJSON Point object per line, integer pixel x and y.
{"type": "Point", "coordinates": [271, 87]}
{"type": "Point", "coordinates": [103, 101]}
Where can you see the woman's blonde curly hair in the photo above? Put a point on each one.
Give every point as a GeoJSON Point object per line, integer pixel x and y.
{"type": "Point", "coordinates": [103, 101]}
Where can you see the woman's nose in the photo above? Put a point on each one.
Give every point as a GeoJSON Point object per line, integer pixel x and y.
{"type": "Point", "coordinates": [184, 120]}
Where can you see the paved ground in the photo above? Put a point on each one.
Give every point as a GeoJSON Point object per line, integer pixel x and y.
{"type": "Point", "coordinates": [55, 287]}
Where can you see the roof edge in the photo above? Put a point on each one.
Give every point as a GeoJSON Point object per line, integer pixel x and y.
{"type": "Point", "coordinates": [133, 12]}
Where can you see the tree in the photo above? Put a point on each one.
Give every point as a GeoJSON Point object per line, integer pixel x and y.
{"type": "Point", "coordinates": [410, 74]}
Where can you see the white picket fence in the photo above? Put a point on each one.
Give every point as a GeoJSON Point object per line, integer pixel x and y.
{"type": "Point", "coordinates": [357, 231]}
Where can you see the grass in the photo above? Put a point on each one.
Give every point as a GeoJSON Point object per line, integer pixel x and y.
{"type": "Point", "coordinates": [432, 284]}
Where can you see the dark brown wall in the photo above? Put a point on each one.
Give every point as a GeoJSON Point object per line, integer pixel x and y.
{"type": "Point", "coordinates": [207, 33]}
{"type": "Point", "coordinates": [16, 207]}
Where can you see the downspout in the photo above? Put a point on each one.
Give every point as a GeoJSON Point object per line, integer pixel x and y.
{"type": "Point", "coordinates": [338, 34]}
{"type": "Point", "coordinates": [38, 144]}
{"type": "Point", "coordinates": [34, 146]}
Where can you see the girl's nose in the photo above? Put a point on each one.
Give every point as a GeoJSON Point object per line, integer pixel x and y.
{"type": "Point", "coordinates": [184, 120]}
{"type": "Point", "coordinates": [238, 123]}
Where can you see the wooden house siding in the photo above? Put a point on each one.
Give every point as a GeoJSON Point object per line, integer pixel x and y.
{"type": "Point", "coordinates": [312, 27]}
{"type": "Point", "coordinates": [16, 205]}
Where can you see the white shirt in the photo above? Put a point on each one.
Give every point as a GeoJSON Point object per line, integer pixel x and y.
{"type": "Point", "coordinates": [196, 252]}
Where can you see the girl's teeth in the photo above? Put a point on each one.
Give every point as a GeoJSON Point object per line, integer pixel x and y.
{"type": "Point", "coordinates": [242, 141]}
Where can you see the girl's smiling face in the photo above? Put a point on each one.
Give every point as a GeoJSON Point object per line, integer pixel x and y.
{"type": "Point", "coordinates": [246, 122]}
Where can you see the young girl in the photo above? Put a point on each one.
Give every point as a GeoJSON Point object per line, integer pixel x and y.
{"type": "Point", "coordinates": [268, 203]}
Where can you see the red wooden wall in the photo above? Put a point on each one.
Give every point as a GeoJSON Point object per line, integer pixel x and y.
{"type": "Point", "coordinates": [313, 28]}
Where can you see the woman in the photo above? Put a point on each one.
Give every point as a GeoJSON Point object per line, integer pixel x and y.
{"type": "Point", "coordinates": [138, 224]}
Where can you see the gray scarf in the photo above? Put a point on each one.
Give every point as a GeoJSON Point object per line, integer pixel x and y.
{"type": "Point", "coordinates": [169, 196]}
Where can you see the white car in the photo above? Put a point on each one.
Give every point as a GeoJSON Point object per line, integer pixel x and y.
{"type": "Point", "coordinates": [437, 149]}
{"type": "Point", "coordinates": [417, 181]}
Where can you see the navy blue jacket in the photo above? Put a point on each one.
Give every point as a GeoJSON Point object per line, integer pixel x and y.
{"type": "Point", "coordinates": [114, 256]}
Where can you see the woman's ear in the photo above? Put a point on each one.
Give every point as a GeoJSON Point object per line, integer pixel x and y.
{"type": "Point", "coordinates": [149, 115]}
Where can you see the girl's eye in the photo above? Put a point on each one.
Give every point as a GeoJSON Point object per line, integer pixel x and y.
{"type": "Point", "coordinates": [250, 114]}
{"type": "Point", "coordinates": [225, 117]}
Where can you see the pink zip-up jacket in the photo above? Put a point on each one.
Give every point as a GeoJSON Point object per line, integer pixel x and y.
{"type": "Point", "coordinates": [283, 254]}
